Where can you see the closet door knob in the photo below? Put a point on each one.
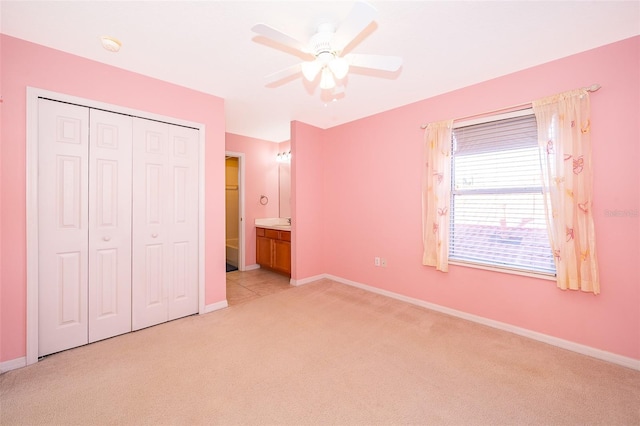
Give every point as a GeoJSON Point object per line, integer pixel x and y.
{"type": "Point", "coordinates": [154, 235]}
{"type": "Point", "coordinates": [106, 238]}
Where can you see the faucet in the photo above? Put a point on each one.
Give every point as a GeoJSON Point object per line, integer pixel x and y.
{"type": "Point", "coordinates": [289, 220]}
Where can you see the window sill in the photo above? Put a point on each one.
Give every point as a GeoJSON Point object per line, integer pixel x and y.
{"type": "Point", "coordinates": [503, 270]}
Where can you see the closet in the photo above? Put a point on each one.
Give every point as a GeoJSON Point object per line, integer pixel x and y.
{"type": "Point", "coordinates": [117, 224]}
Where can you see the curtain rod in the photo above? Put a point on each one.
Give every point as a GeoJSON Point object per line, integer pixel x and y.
{"type": "Point", "coordinates": [592, 88]}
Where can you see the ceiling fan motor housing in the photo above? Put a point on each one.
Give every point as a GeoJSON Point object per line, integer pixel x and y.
{"type": "Point", "coordinates": [320, 42]}
{"type": "Point", "coordinates": [327, 63]}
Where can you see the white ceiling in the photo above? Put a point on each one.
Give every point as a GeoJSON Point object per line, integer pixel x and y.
{"type": "Point", "coordinates": [209, 46]}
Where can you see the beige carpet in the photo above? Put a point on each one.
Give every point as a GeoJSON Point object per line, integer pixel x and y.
{"type": "Point", "coordinates": [324, 353]}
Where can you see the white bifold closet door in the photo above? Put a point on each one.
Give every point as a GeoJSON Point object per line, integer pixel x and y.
{"type": "Point", "coordinates": [110, 144]}
{"type": "Point", "coordinates": [84, 222]}
{"type": "Point", "coordinates": [165, 222]}
{"type": "Point", "coordinates": [117, 224]}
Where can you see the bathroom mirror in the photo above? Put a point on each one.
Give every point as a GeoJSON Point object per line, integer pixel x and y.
{"type": "Point", "coordinates": [284, 180]}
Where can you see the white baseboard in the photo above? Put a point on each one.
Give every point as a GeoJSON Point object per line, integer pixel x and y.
{"type": "Point", "coordinates": [545, 338]}
{"type": "Point", "coordinates": [215, 306]}
{"type": "Point", "coordinates": [13, 364]}
{"type": "Point", "coordinates": [308, 280]}
{"type": "Point", "coordinates": [251, 267]}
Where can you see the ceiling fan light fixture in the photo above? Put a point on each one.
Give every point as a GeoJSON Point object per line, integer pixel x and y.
{"type": "Point", "coordinates": [311, 69]}
{"type": "Point", "coordinates": [339, 67]}
{"type": "Point", "coordinates": [326, 79]}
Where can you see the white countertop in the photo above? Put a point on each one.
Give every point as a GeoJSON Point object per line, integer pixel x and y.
{"type": "Point", "coordinates": [277, 223]}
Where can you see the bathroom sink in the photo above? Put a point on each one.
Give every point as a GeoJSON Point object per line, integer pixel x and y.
{"type": "Point", "coordinates": [273, 223]}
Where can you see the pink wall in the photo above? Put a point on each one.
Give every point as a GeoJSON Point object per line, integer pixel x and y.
{"type": "Point", "coordinates": [261, 178]}
{"type": "Point", "coordinates": [1, 191]}
{"type": "Point", "coordinates": [307, 196]}
{"type": "Point", "coordinates": [26, 64]}
{"type": "Point", "coordinates": [366, 202]}
{"type": "Point", "coordinates": [372, 205]}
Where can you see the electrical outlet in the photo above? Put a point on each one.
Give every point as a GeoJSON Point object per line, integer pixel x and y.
{"type": "Point", "coordinates": [376, 261]}
{"type": "Point", "coordinates": [383, 262]}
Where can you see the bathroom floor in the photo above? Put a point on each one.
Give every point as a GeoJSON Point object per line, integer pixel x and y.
{"type": "Point", "coordinates": [250, 285]}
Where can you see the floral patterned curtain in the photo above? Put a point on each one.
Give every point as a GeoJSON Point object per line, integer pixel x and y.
{"type": "Point", "coordinates": [564, 138]}
{"type": "Point", "coordinates": [436, 194]}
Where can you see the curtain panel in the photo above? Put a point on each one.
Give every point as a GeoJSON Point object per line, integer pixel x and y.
{"type": "Point", "coordinates": [564, 138]}
{"type": "Point", "coordinates": [436, 194]}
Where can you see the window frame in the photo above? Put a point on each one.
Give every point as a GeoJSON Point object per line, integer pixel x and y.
{"type": "Point", "coordinates": [518, 190]}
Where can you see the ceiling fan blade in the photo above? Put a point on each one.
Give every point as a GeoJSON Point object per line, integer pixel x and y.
{"type": "Point", "coordinates": [376, 62]}
{"type": "Point", "coordinates": [280, 37]}
{"type": "Point", "coordinates": [282, 74]}
{"type": "Point", "coordinates": [359, 18]}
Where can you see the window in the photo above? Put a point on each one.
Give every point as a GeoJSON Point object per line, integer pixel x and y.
{"type": "Point", "coordinates": [497, 210]}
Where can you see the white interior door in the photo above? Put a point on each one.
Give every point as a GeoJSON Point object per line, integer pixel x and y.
{"type": "Point", "coordinates": [165, 222]}
{"type": "Point", "coordinates": [183, 221]}
{"type": "Point", "coordinates": [109, 224]}
{"type": "Point", "coordinates": [151, 266]}
{"type": "Point", "coordinates": [63, 225]}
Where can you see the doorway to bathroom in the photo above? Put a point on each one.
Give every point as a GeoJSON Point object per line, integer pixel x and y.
{"type": "Point", "coordinates": [234, 208]}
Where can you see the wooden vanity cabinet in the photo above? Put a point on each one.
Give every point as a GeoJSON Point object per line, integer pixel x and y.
{"type": "Point", "coordinates": [263, 249]}
{"type": "Point", "coordinates": [273, 250]}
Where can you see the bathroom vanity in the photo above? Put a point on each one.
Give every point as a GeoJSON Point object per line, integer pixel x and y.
{"type": "Point", "coordinates": [273, 249]}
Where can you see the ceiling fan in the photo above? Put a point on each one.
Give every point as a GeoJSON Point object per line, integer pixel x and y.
{"type": "Point", "coordinates": [325, 48]}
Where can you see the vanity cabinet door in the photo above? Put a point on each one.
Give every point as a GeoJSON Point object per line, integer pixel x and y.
{"type": "Point", "coordinates": [263, 251]}
{"type": "Point", "coordinates": [282, 256]}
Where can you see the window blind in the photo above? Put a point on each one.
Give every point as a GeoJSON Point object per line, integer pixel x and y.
{"type": "Point", "coordinates": [497, 211]}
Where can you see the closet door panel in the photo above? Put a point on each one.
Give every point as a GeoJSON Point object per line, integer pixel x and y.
{"type": "Point", "coordinates": [183, 160]}
{"type": "Point", "coordinates": [62, 226]}
{"type": "Point", "coordinates": [110, 207]}
{"type": "Point", "coordinates": [151, 195]}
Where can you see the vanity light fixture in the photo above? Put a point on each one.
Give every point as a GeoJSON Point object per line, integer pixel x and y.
{"type": "Point", "coordinates": [111, 44]}
{"type": "Point", "coordinates": [283, 157]}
